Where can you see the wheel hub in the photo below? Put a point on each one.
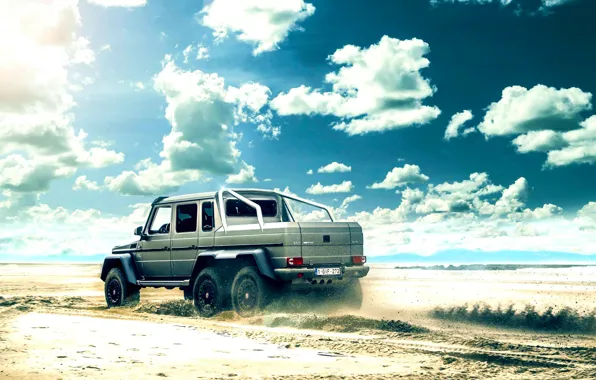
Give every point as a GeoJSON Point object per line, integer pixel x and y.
{"type": "Point", "coordinates": [247, 291]}
{"type": "Point", "coordinates": [114, 291]}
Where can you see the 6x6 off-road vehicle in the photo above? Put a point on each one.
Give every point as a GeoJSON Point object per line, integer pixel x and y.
{"type": "Point", "coordinates": [238, 248]}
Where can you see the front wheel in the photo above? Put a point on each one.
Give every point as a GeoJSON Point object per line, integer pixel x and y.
{"type": "Point", "coordinates": [207, 292]}
{"type": "Point", "coordinates": [249, 292]}
{"type": "Point", "coordinates": [118, 292]}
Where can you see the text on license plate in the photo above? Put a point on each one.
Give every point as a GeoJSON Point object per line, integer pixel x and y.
{"type": "Point", "coordinates": [327, 271]}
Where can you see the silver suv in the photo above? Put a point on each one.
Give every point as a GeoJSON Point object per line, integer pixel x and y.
{"type": "Point", "coordinates": [237, 247]}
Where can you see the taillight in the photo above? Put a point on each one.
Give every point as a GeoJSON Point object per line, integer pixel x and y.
{"type": "Point", "coordinates": [295, 261]}
{"type": "Point", "coordinates": [358, 260]}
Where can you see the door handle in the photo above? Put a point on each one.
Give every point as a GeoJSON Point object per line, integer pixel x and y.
{"type": "Point", "coordinates": [165, 248]}
{"type": "Point", "coordinates": [193, 246]}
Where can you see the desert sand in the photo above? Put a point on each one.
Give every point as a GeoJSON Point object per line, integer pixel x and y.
{"type": "Point", "coordinates": [414, 324]}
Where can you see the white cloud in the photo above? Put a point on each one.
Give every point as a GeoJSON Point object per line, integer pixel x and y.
{"type": "Point", "coordinates": [539, 141]}
{"type": "Point", "coordinates": [202, 52]}
{"type": "Point", "coordinates": [335, 167]}
{"type": "Point", "coordinates": [586, 217]}
{"type": "Point", "coordinates": [309, 172]}
{"type": "Point", "coordinates": [139, 86]}
{"type": "Point", "coordinates": [545, 120]}
{"type": "Point", "coordinates": [186, 52]}
{"type": "Point", "coordinates": [246, 175]}
{"type": "Point", "coordinates": [262, 23]}
{"type": "Point", "coordinates": [40, 46]}
{"type": "Point", "coordinates": [105, 47]}
{"type": "Point", "coordinates": [580, 146]}
{"type": "Point", "coordinates": [544, 4]}
{"type": "Point", "coordinates": [401, 177]}
{"type": "Point", "coordinates": [457, 121]}
{"type": "Point", "coordinates": [267, 180]}
{"type": "Point", "coordinates": [202, 112]}
{"type": "Point", "coordinates": [119, 3]}
{"type": "Point", "coordinates": [350, 199]}
{"type": "Point", "coordinates": [82, 183]}
{"type": "Point", "coordinates": [474, 214]}
{"type": "Point", "coordinates": [251, 98]}
{"type": "Point", "coordinates": [378, 88]}
{"type": "Point", "coordinates": [37, 229]}
{"type": "Point", "coordinates": [344, 187]}
{"type": "Point", "coordinates": [521, 110]}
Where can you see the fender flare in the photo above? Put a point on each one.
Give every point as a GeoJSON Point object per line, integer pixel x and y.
{"type": "Point", "coordinates": [258, 254]}
{"type": "Point", "coordinates": [123, 261]}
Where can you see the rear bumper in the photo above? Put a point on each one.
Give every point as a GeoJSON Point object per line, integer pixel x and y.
{"type": "Point", "coordinates": [308, 274]}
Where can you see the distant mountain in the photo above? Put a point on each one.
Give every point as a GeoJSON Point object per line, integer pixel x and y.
{"type": "Point", "coordinates": [481, 257]}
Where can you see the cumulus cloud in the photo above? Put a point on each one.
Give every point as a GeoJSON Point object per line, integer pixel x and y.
{"type": "Point", "coordinates": [246, 175]}
{"type": "Point", "coordinates": [344, 187]}
{"type": "Point", "coordinates": [457, 121]}
{"type": "Point", "coordinates": [521, 110]}
{"type": "Point", "coordinates": [263, 24]}
{"type": "Point", "coordinates": [580, 146]}
{"type": "Point", "coordinates": [40, 46]}
{"type": "Point", "coordinates": [202, 112]}
{"type": "Point", "coordinates": [82, 183]}
{"type": "Point", "coordinates": [545, 120]}
{"type": "Point", "coordinates": [474, 214]}
{"type": "Point", "coordinates": [38, 229]}
{"type": "Point", "coordinates": [378, 88]}
{"type": "Point", "coordinates": [309, 172]}
{"type": "Point", "coordinates": [335, 167]}
{"type": "Point", "coordinates": [401, 177]}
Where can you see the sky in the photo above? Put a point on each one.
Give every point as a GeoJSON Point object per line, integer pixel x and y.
{"type": "Point", "coordinates": [435, 124]}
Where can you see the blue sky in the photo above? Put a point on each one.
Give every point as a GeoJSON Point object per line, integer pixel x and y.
{"type": "Point", "coordinates": [366, 91]}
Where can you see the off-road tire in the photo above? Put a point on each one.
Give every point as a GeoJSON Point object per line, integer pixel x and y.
{"type": "Point", "coordinates": [118, 291]}
{"type": "Point", "coordinates": [250, 292]}
{"type": "Point", "coordinates": [208, 292]}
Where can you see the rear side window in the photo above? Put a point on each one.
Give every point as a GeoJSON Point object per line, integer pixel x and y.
{"type": "Point", "coordinates": [186, 218]}
{"type": "Point", "coordinates": [235, 207]}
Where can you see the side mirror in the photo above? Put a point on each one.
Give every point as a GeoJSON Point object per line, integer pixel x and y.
{"type": "Point", "coordinates": [139, 231]}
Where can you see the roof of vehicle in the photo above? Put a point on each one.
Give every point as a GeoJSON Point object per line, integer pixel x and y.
{"type": "Point", "coordinates": [204, 195]}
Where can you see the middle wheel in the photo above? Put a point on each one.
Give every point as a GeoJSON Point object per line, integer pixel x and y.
{"type": "Point", "coordinates": [207, 292]}
{"type": "Point", "coordinates": [249, 292]}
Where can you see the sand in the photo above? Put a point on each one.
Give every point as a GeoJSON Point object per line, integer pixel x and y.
{"type": "Point", "coordinates": [54, 325]}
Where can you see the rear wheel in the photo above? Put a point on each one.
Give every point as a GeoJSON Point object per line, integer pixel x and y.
{"type": "Point", "coordinates": [207, 292]}
{"type": "Point", "coordinates": [250, 292]}
{"type": "Point", "coordinates": [118, 292]}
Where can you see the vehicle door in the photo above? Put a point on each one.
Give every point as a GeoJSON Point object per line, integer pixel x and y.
{"type": "Point", "coordinates": [209, 223]}
{"type": "Point", "coordinates": [154, 252]}
{"type": "Point", "coordinates": [185, 239]}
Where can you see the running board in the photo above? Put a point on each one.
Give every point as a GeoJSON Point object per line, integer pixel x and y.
{"type": "Point", "coordinates": [174, 284]}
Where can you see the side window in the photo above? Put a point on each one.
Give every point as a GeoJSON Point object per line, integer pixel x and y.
{"type": "Point", "coordinates": [186, 218]}
{"type": "Point", "coordinates": [207, 216]}
{"type": "Point", "coordinates": [161, 221]}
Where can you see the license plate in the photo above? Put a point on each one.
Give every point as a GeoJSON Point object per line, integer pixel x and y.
{"type": "Point", "coordinates": [328, 272]}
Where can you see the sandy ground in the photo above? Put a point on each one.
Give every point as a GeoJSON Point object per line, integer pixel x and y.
{"type": "Point", "coordinates": [54, 325]}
